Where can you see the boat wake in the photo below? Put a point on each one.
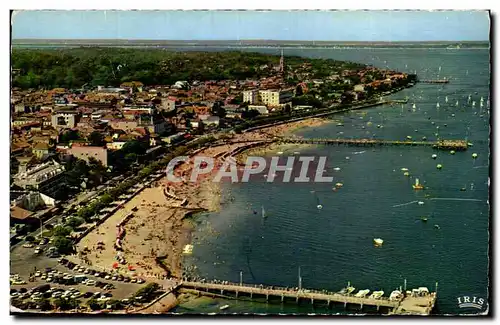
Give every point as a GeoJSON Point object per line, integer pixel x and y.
{"type": "Point", "coordinates": [401, 205]}
{"type": "Point", "coordinates": [455, 199]}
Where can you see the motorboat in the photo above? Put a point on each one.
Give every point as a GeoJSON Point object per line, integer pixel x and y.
{"type": "Point", "coordinates": [339, 185]}
{"type": "Point", "coordinates": [423, 218]}
{"type": "Point", "coordinates": [417, 185]}
{"type": "Point", "coordinates": [362, 293]}
{"type": "Point", "coordinates": [404, 169]}
{"type": "Point", "coordinates": [378, 241]}
{"type": "Point", "coordinates": [474, 155]}
{"type": "Point", "coordinates": [319, 206]}
{"type": "Point", "coordinates": [406, 174]}
{"type": "Point", "coordinates": [376, 294]}
{"type": "Point", "coordinates": [420, 202]}
{"type": "Point", "coordinates": [336, 169]}
{"type": "Point", "coordinates": [224, 307]}
{"type": "Point", "coordinates": [396, 295]}
{"type": "Point", "coordinates": [439, 166]}
{"type": "Point", "coordinates": [452, 152]}
{"type": "Point", "coordinates": [434, 156]}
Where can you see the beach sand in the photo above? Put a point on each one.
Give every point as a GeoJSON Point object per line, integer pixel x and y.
{"type": "Point", "coordinates": [158, 231]}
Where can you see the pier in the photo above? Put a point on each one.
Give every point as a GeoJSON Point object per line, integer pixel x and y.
{"type": "Point", "coordinates": [408, 304]}
{"type": "Point", "coordinates": [458, 145]}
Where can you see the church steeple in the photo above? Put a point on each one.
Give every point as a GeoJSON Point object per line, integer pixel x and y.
{"type": "Point", "coordinates": [282, 63]}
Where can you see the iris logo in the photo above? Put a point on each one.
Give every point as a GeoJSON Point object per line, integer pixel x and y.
{"type": "Point", "coordinates": [470, 302]}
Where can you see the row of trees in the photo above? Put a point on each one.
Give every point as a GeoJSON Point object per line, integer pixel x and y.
{"type": "Point", "coordinates": [74, 68]}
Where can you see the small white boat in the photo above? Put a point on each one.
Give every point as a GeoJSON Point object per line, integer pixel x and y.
{"type": "Point", "coordinates": [439, 166]}
{"type": "Point", "coordinates": [339, 185]}
{"type": "Point", "coordinates": [437, 105]}
{"type": "Point", "coordinates": [473, 103]}
{"type": "Point", "coordinates": [396, 295]}
{"type": "Point", "coordinates": [446, 99]}
{"type": "Point", "coordinates": [319, 206]}
{"type": "Point", "coordinates": [347, 158]}
{"type": "Point", "coordinates": [280, 152]}
{"type": "Point", "coordinates": [404, 169]}
{"type": "Point", "coordinates": [362, 293]}
{"type": "Point", "coordinates": [414, 106]}
{"type": "Point", "coordinates": [474, 155]}
{"type": "Point", "coordinates": [420, 202]}
{"type": "Point", "coordinates": [224, 307]}
{"type": "Point", "coordinates": [376, 294]}
{"type": "Point", "coordinates": [378, 241]}
{"type": "Point", "coordinates": [336, 169]}
{"type": "Point", "coordinates": [434, 156]}
{"type": "Point", "coordinates": [456, 103]}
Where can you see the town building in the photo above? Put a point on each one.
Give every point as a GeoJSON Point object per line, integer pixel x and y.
{"type": "Point", "coordinates": [47, 178]}
{"type": "Point", "coordinates": [275, 97]}
{"type": "Point", "coordinates": [250, 96]}
{"type": "Point", "coordinates": [64, 119]}
{"type": "Point", "coordinates": [87, 152]}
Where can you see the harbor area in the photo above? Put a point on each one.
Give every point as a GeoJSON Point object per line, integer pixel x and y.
{"type": "Point", "coordinates": [411, 302]}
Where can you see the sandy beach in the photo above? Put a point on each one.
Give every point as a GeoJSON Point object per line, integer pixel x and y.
{"type": "Point", "coordinates": [158, 231]}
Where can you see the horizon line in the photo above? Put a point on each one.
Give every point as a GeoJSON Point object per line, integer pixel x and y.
{"type": "Point", "coordinates": [239, 40]}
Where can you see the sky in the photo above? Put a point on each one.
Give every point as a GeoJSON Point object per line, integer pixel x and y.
{"type": "Point", "coordinates": [241, 25]}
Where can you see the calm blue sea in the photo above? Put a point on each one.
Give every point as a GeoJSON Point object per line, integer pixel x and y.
{"type": "Point", "coordinates": [334, 245]}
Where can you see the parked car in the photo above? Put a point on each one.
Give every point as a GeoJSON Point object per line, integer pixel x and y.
{"type": "Point", "coordinates": [88, 294]}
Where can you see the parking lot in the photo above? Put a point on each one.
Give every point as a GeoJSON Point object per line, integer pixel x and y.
{"type": "Point", "coordinates": [66, 279]}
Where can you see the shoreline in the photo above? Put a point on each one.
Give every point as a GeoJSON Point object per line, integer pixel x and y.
{"type": "Point", "coordinates": [161, 227]}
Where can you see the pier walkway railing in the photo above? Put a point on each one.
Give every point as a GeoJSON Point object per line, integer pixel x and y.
{"type": "Point", "coordinates": [282, 293]}
{"type": "Point", "coordinates": [458, 145]}
{"type": "Point", "coordinates": [406, 305]}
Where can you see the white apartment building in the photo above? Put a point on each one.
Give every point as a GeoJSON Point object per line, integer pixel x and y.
{"type": "Point", "coordinates": [250, 96]}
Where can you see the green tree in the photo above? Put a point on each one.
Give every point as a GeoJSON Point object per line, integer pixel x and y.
{"type": "Point", "coordinates": [61, 231]}
{"type": "Point", "coordinates": [93, 304]}
{"type": "Point", "coordinates": [96, 139]}
{"type": "Point", "coordinates": [75, 222]}
{"type": "Point", "coordinates": [68, 136]}
{"type": "Point", "coordinates": [66, 304]}
{"type": "Point", "coordinates": [63, 245]}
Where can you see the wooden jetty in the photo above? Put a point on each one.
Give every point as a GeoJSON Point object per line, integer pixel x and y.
{"type": "Point", "coordinates": [458, 145]}
{"type": "Point", "coordinates": [409, 304]}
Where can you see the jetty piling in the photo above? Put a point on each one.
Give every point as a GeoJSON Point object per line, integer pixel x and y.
{"type": "Point", "coordinates": [409, 304]}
